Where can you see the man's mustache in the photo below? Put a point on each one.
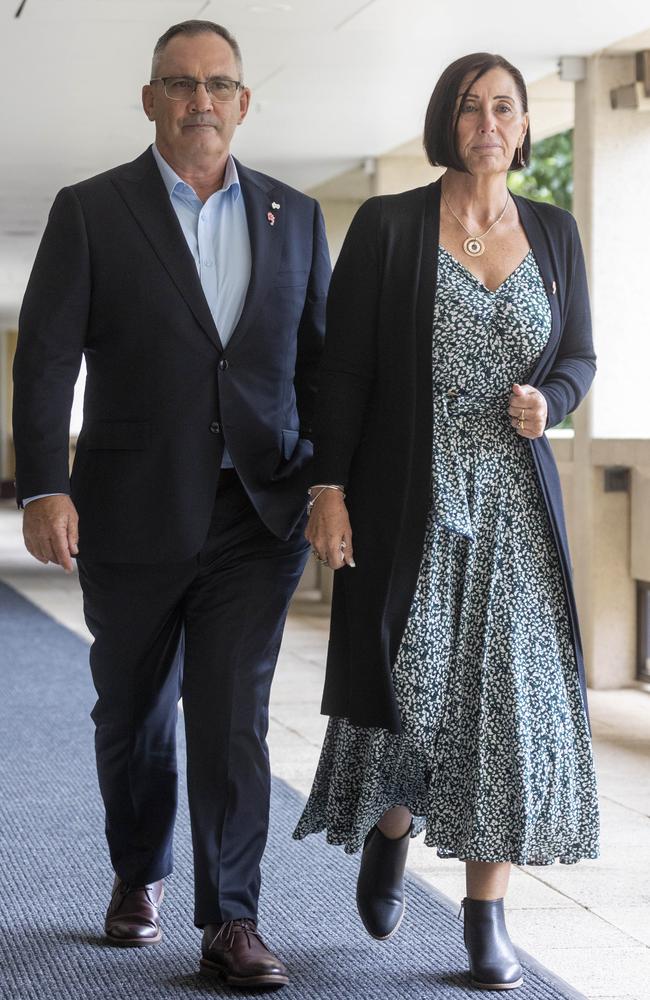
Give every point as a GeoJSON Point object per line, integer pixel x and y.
{"type": "Point", "coordinates": [202, 120]}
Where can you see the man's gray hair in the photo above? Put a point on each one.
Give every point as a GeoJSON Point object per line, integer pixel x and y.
{"type": "Point", "coordinates": [190, 29]}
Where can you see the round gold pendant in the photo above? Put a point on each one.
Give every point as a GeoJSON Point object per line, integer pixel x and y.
{"type": "Point", "coordinates": [474, 246]}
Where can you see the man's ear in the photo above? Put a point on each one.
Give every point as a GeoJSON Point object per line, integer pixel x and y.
{"type": "Point", "coordinates": [148, 101]}
{"type": "Point", "coordinates": [244, 103]}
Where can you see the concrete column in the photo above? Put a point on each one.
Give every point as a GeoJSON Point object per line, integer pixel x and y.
{"type": "Point", "coordinates": [612, 164]}
{"type": "Point", "coordinates": [611, 160]}
{"type": "Point", "coordinates": [8, 340]}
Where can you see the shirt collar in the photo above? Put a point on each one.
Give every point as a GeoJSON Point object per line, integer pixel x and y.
{"type": "Point", "coordinates": [173, 182]}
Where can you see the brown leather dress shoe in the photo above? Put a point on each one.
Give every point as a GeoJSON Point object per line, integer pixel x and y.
{"type": "Point", "coordinates": [235, 952]}
{"type": "Point", "coordinates": [132, 916]}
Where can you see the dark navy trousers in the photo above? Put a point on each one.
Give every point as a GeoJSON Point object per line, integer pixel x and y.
{"type": "Point", "coordinates": [208, 630]}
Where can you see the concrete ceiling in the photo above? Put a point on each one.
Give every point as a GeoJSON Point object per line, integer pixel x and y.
{"type": "Point", "coordinates": [334, 82]}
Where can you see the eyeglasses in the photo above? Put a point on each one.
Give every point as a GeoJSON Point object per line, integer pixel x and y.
{"type": "Point", "coordinates": [181, 88]}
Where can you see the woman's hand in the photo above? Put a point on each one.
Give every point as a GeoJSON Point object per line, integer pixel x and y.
{"type": "Point", "coordinates": [328, 529]}
{"type": "Point", "coordinates": [528, 411]}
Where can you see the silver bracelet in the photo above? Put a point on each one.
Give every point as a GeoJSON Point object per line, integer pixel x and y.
{"type": "Point", "coordinates": [321, 487]}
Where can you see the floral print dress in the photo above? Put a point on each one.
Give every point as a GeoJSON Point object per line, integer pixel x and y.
{"type": "Point", "coordinates": [494, 758]}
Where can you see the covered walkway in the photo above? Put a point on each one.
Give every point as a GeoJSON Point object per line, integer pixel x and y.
{"type": "Point", "coordinates": [340, 88]}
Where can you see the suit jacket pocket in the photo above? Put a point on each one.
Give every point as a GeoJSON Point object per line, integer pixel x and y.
{"type": "Point", "coordinates": [118, 435]}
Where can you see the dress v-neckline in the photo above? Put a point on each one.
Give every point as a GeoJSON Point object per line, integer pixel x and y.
{"type": "Point", "coordinates": [492, 291]}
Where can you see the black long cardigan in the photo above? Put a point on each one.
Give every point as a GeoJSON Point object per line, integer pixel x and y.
{"type": "Point", "coordinates": [374, 420]}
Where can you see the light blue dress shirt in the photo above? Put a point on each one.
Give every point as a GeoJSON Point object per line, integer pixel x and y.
{"type": "Point", "coordinates": [217, 234]}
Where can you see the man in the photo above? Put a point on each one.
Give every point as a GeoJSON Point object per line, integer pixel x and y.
{"type": "Point", "coordinates": [195, 288]}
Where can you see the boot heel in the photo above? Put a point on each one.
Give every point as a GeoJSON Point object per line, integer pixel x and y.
{"type": "Point", "coordinates": [380, 886]}
{"type": "Point", "coordinates": [493, 962]}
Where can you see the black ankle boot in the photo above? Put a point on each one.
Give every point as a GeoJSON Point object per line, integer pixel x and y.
{"type": "Point", "coordinates": [380, 886]}
{"type": "Point", "coordinates": [493, 962]}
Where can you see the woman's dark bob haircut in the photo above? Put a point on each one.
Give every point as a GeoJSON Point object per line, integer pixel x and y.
{"type": "Point", "coordinates": [443, 112]}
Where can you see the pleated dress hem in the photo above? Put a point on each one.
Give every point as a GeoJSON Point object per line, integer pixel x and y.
{"type": "Point", "coordinates": [435, 838]}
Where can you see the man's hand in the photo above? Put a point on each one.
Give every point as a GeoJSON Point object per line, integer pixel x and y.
{"type": "Point", "coordinates": [51, 530]}
{"type": "Point", "coordinates": [528, 411]}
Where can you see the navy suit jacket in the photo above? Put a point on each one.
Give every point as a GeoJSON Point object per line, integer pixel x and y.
{"type": "Point", "coordinates": [114, 281]}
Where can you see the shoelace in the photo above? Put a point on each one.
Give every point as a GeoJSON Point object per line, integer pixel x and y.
{"type": "Point", "coordinates": [122, 890]}
{"type": "Point", "coordinates": [228, 930]}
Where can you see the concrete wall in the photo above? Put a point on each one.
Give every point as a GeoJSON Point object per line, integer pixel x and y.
{"type": "Point", "coordinates": [618, 527]}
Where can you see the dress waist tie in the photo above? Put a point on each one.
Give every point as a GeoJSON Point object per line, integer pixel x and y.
{"type": "Point", "coordinates": [450, 500]}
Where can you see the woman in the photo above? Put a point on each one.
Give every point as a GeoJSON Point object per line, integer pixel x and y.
{"type": "Point", "coordinates": [458, 330]}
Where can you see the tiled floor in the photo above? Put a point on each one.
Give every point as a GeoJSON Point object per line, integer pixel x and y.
{"type": "Point", "coordinates": [590, 923]}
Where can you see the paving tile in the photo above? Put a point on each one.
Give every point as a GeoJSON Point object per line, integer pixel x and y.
{"type": "Point", "coordinates": [450, 884]}
{"type": "Point", "coordinates": [297, 747]}
{"type": "Point", "coordinates": [622, 996]}
{"type": "Point", "coordinates": [527, 892]}
{"type": "Point", "coordinates": [633, 920]}
{"type": "Point", "coordinates": [311, 732]}
{"type": "Point", "coordinates": [626, 711]}
{"type": "Point", "coordinates": [627, 785]}
{"type": "Point", "coordinates": [596, 884]}
{"type": "Point", "coordinates": [293, 696]}
{"type": "Point", "coordinates": [600, 972]}
{"type": "Point", "coordinates": [559, 928]}
{"type": "Point", "coordinates": [299, 777]}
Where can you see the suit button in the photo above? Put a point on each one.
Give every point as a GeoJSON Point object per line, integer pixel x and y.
{"type": "Point", "coordinates": [223, 364]}
{"type": "Point", "coordinates": [215, 428]}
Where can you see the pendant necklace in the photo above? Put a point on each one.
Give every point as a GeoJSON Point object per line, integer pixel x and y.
{"type": "Point", "coordinates": [474, 245]}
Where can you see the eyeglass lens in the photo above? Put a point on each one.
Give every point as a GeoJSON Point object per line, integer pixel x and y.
{"type": "Point", "coordinates": [220, 89]}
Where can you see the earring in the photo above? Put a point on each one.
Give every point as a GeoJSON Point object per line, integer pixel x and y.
{"type": "Point", "coordinates": [520, 156]}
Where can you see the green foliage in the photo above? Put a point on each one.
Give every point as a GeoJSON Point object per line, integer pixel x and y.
{"type": "Point", "coordinates": [549, 175]}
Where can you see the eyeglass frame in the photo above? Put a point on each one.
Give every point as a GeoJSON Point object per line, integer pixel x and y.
{"type": "Point", "coordinates": [239, 85]}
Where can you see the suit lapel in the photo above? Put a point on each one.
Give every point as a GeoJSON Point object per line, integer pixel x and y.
{"type": "Point", "coordinates": [144, 192]}
{"type": "Point", "coordinates": [265, 230]}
